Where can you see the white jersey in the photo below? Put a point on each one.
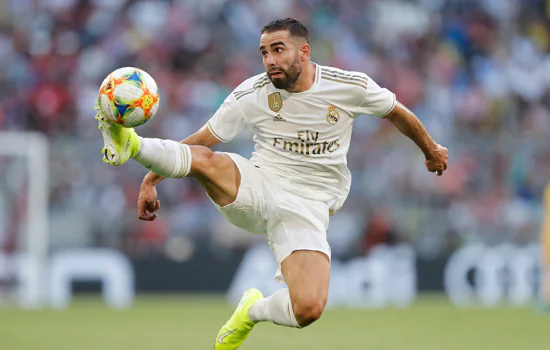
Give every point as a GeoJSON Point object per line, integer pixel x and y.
{"type": "Point", "coordinates": [303, 138]}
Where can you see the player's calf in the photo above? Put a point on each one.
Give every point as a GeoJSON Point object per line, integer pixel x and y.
{"type": "Point", "coordinates": [207, 163]}
{"type": "Point", "coordinates": [217, 174]}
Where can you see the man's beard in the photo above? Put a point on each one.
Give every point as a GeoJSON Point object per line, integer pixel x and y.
{"type": "Point", "coordinates": [289, 78]}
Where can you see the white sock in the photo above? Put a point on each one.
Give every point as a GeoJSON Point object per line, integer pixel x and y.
{"type": "Point", "coordinates": [276, 308]}
{"type": "Point", "coordinates": [166, 158]}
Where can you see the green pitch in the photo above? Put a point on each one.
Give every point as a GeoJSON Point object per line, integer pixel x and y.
{"type": "Point", "coordinates": [184, 323]}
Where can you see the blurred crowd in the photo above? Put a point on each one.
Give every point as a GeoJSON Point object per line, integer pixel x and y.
{"type": "Point", "coordinates": [476, 72]}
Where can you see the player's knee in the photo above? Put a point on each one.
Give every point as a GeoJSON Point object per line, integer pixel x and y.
{"type": "Point", "coordinates": [308, 310]}
{"type": "Point", "coordinates": [203, 160]}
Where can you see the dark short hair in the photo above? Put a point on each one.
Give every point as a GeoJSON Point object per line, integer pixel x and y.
{"type": "Point", "coordinates": [295, 28]}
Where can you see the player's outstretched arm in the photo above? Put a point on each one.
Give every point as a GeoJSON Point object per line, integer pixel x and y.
{"type": "Point", "coordinates": [410, 126]}
{"type": "Point", "coordinates": [147, 200]}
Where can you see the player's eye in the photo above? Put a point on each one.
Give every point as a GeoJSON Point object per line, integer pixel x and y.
{"type": "Point", "coordinates": [264, 53]}
{"type": "Point", "coordinates": [279, 50]}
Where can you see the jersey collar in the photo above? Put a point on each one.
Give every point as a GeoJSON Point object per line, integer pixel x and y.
{"type": "Point", "coordinates": [312, 89]}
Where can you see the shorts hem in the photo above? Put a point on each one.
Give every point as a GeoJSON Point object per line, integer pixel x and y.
{"type": "Point", "coordinates": [279, 277]}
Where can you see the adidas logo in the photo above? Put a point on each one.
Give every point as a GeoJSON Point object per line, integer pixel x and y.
{"type": "Point", "coordinates": [278, 118]}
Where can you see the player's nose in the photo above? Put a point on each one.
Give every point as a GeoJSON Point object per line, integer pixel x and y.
{"type": "Point", "coordinates": [270, 60]}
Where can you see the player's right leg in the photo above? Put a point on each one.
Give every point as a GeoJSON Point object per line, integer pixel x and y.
{"type": "Point", "coordinates": [216, 172]}
{"type": "Point", "coordinates": [219, 175]}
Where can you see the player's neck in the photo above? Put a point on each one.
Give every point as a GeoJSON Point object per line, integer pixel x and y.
{"type": "Point", "coordinates": [306, 79]}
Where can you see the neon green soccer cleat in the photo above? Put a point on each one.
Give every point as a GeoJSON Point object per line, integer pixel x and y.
{"type": "Point", "coordinates": [120, 143]}
{"type": "Point", "coordinates": [236, 330]}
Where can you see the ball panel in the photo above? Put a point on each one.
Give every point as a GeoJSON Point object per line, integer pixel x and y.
{"type": "Point", "coordinates": [106, 107]}
{"type": "Point", "coordinates": [127, 93]}
{"type": "Point", "coordinates": [149, 82]}
{"type": "Point", "coordinates": [154, 110]}
{"type": "Point", "coordinates": [134, 118]}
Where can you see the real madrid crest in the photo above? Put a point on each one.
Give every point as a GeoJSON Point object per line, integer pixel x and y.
{"type": "Point", "coordinates": [332, 116]}
{"type": "Point", "coordinates": [275, 102]}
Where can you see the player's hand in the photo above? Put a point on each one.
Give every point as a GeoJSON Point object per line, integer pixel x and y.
{"type": "Point", "coordinates": [147, 202]}
{"type": "Point", "coordinates": [436, 161]}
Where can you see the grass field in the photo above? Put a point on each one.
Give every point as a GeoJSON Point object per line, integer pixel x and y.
{"type": "Point", "coordinates": [181, 323]}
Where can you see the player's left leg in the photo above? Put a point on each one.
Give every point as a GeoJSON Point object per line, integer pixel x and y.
{"type": "Point", "coordinates": [296, 231]}
{"type": "Point", "coordinates": [302, 303]}
{"type": "Point", "coordinates": [298, 240]}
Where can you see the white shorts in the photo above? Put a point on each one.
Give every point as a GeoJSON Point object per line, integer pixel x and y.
{"type": "Point", "coordinates": [290, 222]}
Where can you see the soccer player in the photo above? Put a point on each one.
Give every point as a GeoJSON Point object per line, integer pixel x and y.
{"type": "Point", "coordinates": [545, 244]}
{"type": "Point", "coordinates": [301, 115]}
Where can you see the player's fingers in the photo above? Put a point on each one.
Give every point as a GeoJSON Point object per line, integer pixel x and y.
{"type": "Point", "coordinates": [445, 150]}
{"type": "Point", "coordinates": [142, 214]}
{"type": "Point", "coordinates": [157, 206]}
{"type": "Point", "coordinates": [147, 216]}
{"type": "Point", "coordinates": [141, 209]}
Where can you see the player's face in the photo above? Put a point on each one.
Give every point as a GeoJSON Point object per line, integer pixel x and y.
{"type": "Point", "coordinates": [281, 58]}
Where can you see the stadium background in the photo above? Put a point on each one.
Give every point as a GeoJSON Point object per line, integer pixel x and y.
{"type": "Point", "coordinates": [476, 72]}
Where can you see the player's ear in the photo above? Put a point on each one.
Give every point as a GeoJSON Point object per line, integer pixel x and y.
{"type": "Point", "coordinates": [305, 52]}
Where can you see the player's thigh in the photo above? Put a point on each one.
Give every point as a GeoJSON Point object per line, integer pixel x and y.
{"type": "Point", "coordinates": [250, 208]}
{"type": "Point", "coordinates": [297, 224]}
{"type": "Point", "coordinates": [217, 174]}
{"type": "Point", "coordinates": [307, 273]}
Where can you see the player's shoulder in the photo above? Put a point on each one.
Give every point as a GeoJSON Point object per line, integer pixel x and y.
{"type": "Point", "coordinates": [251, 85]}
{"type": "Point", "coordinates": [344, 78]}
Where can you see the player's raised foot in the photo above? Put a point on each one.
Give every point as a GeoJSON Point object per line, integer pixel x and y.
{"type": "Point", "coordinates": [236, 330]}
{"type": "Point", "coordinates": [119, 143]}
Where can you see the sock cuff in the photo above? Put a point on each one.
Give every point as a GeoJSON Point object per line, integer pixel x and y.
{"type": "Point", "coordinates": [166, 158]}
{"type": "Point", "coordinates": [138, 154]}
{"type": "Point", "coordinates": [291, 315]}
{"type": "Point", "coordinates": [183, 161]}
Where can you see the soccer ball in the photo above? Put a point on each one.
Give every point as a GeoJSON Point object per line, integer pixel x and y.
{"type": "Point", "coordinates": [128, 96]}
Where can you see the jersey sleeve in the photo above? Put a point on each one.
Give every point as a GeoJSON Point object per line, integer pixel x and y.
{"type": "Point", "coordinates": [376, 101]}
{"type": "Point", "coordinates": [228, 120]}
